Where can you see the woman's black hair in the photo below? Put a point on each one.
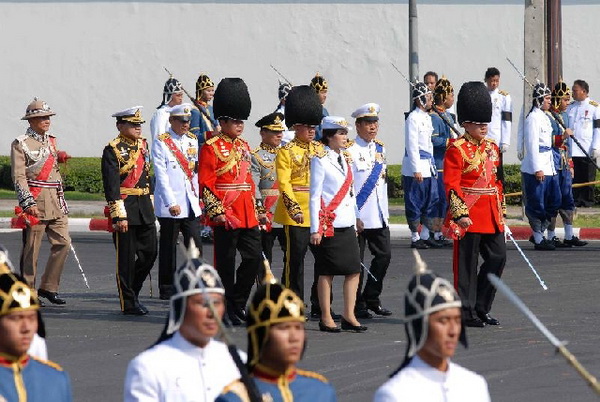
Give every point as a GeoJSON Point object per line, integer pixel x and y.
{"type": "Point", "coordinates": [328, 132]}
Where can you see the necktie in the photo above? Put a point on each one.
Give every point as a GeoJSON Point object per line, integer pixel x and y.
{"type": "Point", "coordinates": [340, 161]}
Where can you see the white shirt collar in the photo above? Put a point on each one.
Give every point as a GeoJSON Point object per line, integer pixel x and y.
{"type": "Point", "coordinates": [186, 346]}
{"type": "Point", "coordinates": [431, 373]}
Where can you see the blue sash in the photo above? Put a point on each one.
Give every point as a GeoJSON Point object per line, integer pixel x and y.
{"type": "Point", "coordinates": [544, 148]}
{"type": "Point", "coordinates": [369, 184]}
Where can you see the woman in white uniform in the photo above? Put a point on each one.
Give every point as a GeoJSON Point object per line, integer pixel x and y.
{"type": "Point", "coordinates": [333, 216]}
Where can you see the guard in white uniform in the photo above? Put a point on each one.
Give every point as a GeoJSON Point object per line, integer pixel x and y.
{"type": "Point", "coordinates": [433, 329]}
{"type": "Point", "coordinates": [186, 364]}
{"type": "Point", "coordinates": [176, 201]}
{"type": "Point", "coordinates": [172, 96]}
{"type": "Point", "coordinates": [370, 186]}
{"type": "Point", "coordinates": [418, 168]}
{"type": "Point", "coordinates": [584, 120]}
{"type": "Point", "coordinates": [540, 179]}
{"type": "Point", "coordinates": [500, 127]}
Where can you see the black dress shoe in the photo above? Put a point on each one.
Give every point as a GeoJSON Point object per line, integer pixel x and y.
{"type": "Point", "coordinates": [474, 323]}
{"type": "Point", "coordinates": [363, 314]}
{"type": "Point", "coordinates": [42, 304]}
{"type": "Point", "coordinates": [488, 319]}
{"type": "Point", "coordinates": [346, 326]}
{"type": "Point", "coordinates": [379, 310]}
{"type": "Point", "coordinates": [315, 315]}
{"type": "Point", "coordinates": [445, 242]}
{"type": "Point", "coordinates": [419, 245]}
{"type": "Point", "coordinates": [135, 311]}
{"type": "Point", "coordinates": [51, 296]}
{"type": "Point", "coordinates": [234, 319]}
{"type": "Point", "coordinates": [575, 242]}
{"type": "Point", "coordinates": [432, 243]}
{"type": "Point", "coordinates": [544, 245]}
{"type": "Point", "coordinates": [559, 244]}
{"type": "Point", "coordinates": [325, 328]}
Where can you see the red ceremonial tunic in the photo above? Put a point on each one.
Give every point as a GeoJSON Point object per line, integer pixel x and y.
{"type": "Point", "coordinates": [472, 187]}
{"type": "Point", "coordinates": [226, 182]}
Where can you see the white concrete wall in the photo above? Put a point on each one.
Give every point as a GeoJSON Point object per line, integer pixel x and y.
{"type": "Point", "coordinates": [88, 59]}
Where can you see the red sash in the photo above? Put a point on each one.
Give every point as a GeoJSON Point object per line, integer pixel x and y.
{"type": "Point", "coordinates": [270, 200]}
{"type": "Point", "coordinates": [24, 219]}
{"type": "Point", "coordinates": [135, 174]}
{"type": "Point", "coordinates": [451, 228]}
{"type": "Point", "coordinates": [327, 213]}
{"type": "Point", "coordinates": [230, 196]}
{"type": "Point", "coordinates": [180, 157]}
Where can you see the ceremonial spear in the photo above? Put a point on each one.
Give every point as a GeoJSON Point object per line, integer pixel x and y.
{"type": "Point", "coordinates": [555, 117]}
{"type": "Point", "coordinates": [560, 346]}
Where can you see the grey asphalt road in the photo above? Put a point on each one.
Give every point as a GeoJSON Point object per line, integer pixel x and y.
{"type": "Point", "coordinates": [94, 342]}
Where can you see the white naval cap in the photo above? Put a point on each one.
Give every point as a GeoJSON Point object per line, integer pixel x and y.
{"type": "Point", "coordinates": [335, 123]}
{"type": "Point", "coordinates": [368, 112]}
{"type": "Point", "coordinates": [182, 112]}
{"type": "Point", "coordinates": [131, 115]}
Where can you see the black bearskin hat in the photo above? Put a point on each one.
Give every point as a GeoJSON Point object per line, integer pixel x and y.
{"type": "Point", "coordinates": [474, 104]}
{"type": "Point", "coordinates": [302, 106]}
{"type": "Point", "coordinates": [232, 99]}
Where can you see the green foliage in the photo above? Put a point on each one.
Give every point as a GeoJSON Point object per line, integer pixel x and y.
{"type": "Point", "coordinates": [5, 174]}
{"type": "Point", "coordinates": [82, 174]}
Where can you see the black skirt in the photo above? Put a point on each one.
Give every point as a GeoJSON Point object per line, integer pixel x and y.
{"type": "Point", "coordinates": [339, 254]}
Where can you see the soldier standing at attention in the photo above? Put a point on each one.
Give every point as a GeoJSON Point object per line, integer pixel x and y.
{"type": "Point", "coordinates": [126, 178]}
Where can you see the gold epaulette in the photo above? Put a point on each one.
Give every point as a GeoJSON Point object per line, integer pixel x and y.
{"type": "Point", "coordinates": [212, 140]}
{"type": "Point", "coordinates": [255, 151]}
{"type": "Point", "coordinates": [47, 363]}
{"type": "Point", "coordinates": [378, 141]}
{"type": "Point", "coordinates": [238, 388]}
{"type": "Point", "coordinates": [192, 135]}
{"type": "Point", "coordinates": [593, 103]}
{"type": "Point", "coordinates": [164, 136]}
{"type": "Point", "coordinates": [319, 149]}
{"type": "Point", "coordinates": [314, 375]}
{"type": "Point", "coordinates": [350, 143]}
{"type": "Point", "coordinates": [288, 145]}
{"type": "Point", "coordinates": [458, 142]}
{"type": "Point", "coordinates": [347, 156]}
{"type": "Point", "coordinates": [503, 93]}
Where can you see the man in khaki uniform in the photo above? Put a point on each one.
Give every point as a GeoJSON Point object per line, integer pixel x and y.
{"type": "Point", "coordinates": [42, 207]}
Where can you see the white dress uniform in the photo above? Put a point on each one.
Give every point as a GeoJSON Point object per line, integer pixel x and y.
{"type": "Point", "coordinates": [418, 381]}
{"type": "Point", "coordinates": [176, 370]}
{"type": "Point", "coordinates": [537, 141]}
{"type": "Point", "coordinates": [374, 212]}
{"type": "Point", "coordinates": [172, 185]}
{"type": "Point", "coordinates": [417, 139]}
{"type": "Point", "coordinates": [326, 177]}
{"type": "Point", "coordinates": [582, 118]}
{"type": "Point", "coordinates": [499, 129]}
{"type": "Point", "coordinates": [160, 121]}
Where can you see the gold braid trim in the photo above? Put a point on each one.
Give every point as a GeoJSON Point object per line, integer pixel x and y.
{"type": "Point", "coordinates": [117, 209]}
{"type": "Point", "coordinates": [126, 165]}
{"type": "Point", "coordinates": [212, 205]}
{"type": "Point", "coordinates": [458, 208]}
{"type": "Point", "coordinates": [239, 389]}
{"type": "Point", "coordinates": [293, 208]}
{"type": "Point", "coordinates": [312, 374]}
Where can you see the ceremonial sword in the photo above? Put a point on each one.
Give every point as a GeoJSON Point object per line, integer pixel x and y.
{"type": "Point", "coordinates": [560, 346]}
{"type": "Point", "coordinates": [450, 125]}
{"type": "Point", "coordinates": [510, 236]}
{"type": "Point", "coordinates": [194, 253]}
{"type": "Point", "coordinates": [555, 117]}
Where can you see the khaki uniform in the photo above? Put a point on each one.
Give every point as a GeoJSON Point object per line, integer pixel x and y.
{"type": "Point", "coordinates": [29, 153]}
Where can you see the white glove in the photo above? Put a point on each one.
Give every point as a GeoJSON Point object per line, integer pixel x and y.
{"type": "Point", "coordinates": [503, 148]}
{"type": "Point", "coordinates": [595, 153]}
{"type": "Point", "coordinates": [507, 230]}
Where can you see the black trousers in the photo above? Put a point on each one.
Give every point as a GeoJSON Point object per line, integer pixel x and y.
{"type": "Point", "coordinates": [585, 171]}
{"type": "Point", "coordinates": [378, 241]}
{"type": "Point", "coordinates": [238, 283]}
{"type": "Point", "coordinates": [268, 241]}
{"type": "Point", "coordinates": [297, 240]}
{"type": "Point", "coordinates": [167, 254]}
{"type": "Point", "coordinates": [475, 290]}
{"type": "Point", "coordinates": [136, 253]}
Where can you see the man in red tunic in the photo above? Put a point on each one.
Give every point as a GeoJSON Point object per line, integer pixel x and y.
{"type": "Point", "coordinates": [476, 206]}
{"type": "Point", "coordinates": [228, 192]}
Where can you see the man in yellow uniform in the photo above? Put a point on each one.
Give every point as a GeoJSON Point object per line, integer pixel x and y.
{"type": "Point", "coordinates": [303, 113]}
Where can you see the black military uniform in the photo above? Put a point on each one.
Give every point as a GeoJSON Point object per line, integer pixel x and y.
{"type": "Point", "coordinates": [126, 178]}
